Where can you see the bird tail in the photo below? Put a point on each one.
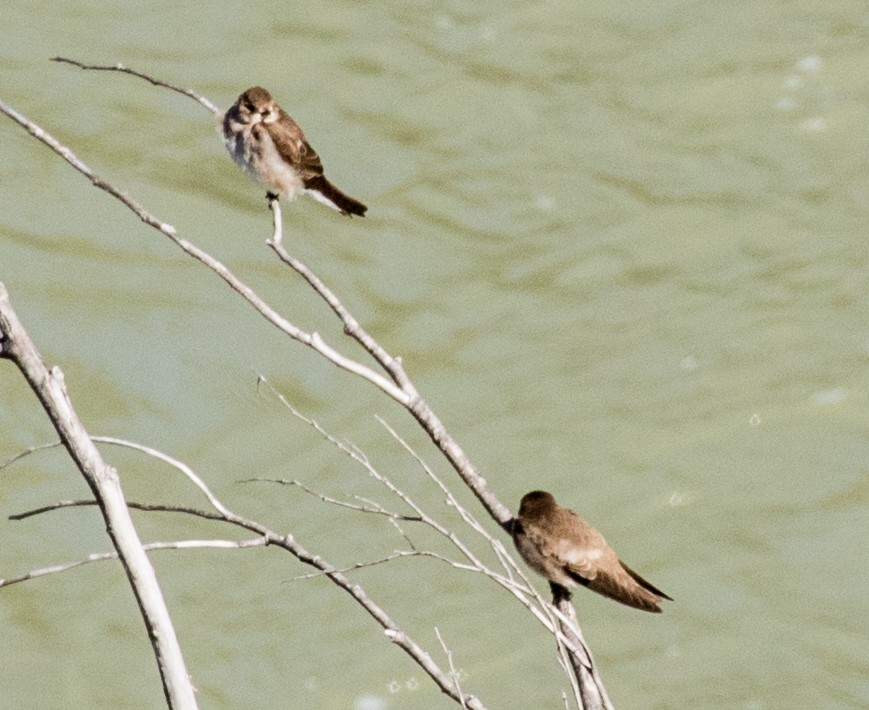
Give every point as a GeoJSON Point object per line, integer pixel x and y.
{"type": "Point", "coordinates": [645, 584]}
{"type": "Point", "coordinates": [324, 191]}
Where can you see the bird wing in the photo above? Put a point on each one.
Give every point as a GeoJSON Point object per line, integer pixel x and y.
{"type": "Point", "coordinates": [581, 553]}
{"type": "Point", "coordinates": [580, 560]}
{"type": "Point", "coordinates": [590, 561]}
{"type": "Point", "coordinates": [290, 142]}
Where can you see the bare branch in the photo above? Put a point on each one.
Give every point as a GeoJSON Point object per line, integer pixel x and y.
{"type": "Point", "coordinates": [180, 465]}
{"type": "Point", "coordinates": [405, 392]}
{"type": "Point", "coordinates": [49, 508]}
{"type": "Point", "coordinates": [411, 398]}
{"type": "Point", "coordinates": [146, 507]}
{"type": "Point", "coordinates": [103, 480]}
{"type": "Point", "coordinates": [591, 687]}
{"type": "Point", "coordinates": [44, 137]}
{"type": "Point", "coordinates": [156, 82]}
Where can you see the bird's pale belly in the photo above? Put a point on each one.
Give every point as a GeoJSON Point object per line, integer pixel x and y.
{"type": "Point", "coordinates": [261, 161]}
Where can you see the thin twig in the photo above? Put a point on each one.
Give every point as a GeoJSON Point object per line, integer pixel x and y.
{"type": "Point", "coordinates": [156, 82]}
{"type": "Point", "coordinates": [366, 507]}
{"type": "Point", "coordinates": [453, 672]}
{"type": "Point", "coordinates": [351, 568]}
{"type": "Point", "coordinates": [148, 547]}
{"type": "Point", "coordinates": [22, 454]}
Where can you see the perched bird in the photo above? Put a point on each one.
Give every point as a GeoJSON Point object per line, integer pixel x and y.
{"type": "Point", "coordinates": [556, 543]}
{"type": "Point", "coordinates": [271, 148]}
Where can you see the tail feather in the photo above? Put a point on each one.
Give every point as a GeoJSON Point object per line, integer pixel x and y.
{"type": "Point", "coordinates": [324, 191]}
{"type": "Point", "coordinates": [644, 583]}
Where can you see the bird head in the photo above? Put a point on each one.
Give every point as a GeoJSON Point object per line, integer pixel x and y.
{"type": "Point", "coordinates": [256, 105]}
{"type": "Point", "coordinates": [536, 504]}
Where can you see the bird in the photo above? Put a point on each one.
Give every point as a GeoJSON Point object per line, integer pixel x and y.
{"type": "Point", "coordinates": [559, 545]}
{"type": "Point", "coordinates": [271, 148]}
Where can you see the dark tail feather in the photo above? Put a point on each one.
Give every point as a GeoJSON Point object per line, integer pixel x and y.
{"type": "Point", "coordinates": [624, 589]}
{"type": "Point", "coordinates": [643, 583]}
{"type": "Point", "coordinates": [324, 191]}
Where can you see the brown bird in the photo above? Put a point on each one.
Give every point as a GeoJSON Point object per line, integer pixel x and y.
{"type": "Point", "coordinates": [271, 148]}
{"type": "Point", "coordinates": [556, 543]}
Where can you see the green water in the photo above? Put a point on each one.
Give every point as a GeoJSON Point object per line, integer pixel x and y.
{"type": "Point", "coordinates": [623, 253]}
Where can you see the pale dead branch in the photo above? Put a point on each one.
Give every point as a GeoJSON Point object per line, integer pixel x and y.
{"type": "Point", "coordinates": [50, 389]}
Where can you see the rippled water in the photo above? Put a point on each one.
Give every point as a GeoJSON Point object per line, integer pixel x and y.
{"type": "Point", "coordinates": [622, 251]}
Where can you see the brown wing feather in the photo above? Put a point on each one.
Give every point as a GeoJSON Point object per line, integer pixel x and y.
{"type": "Point", "coordinates": [581, 553]}
{"type": "Point", "coordinates": [289, 140]}
{"type": "Point", "coordinates": [607, 574]}
{"type": "Point", "coordinates": [309, 162]}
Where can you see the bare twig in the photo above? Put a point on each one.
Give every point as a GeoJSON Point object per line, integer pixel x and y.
{"type": "Point", "coordinates": [21, 454]}
{"type": "Point", "coordinates": [156, 82]}
{"type": "Point", "coordinates": [148, 547]}
{"type": "Point", "coordinates": [365, 507]}
{"type": "Point", "coordinates": [147, 507]}
{"type": "Point", "coordinates": [351, 568]}
{"type": "Point", "coordinates": [453, 672]}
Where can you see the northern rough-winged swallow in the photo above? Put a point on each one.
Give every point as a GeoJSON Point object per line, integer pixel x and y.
{"type": "Point", "coordinates": [556, 543]}
{"type": "Point", "coordinates": [271, 148]}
